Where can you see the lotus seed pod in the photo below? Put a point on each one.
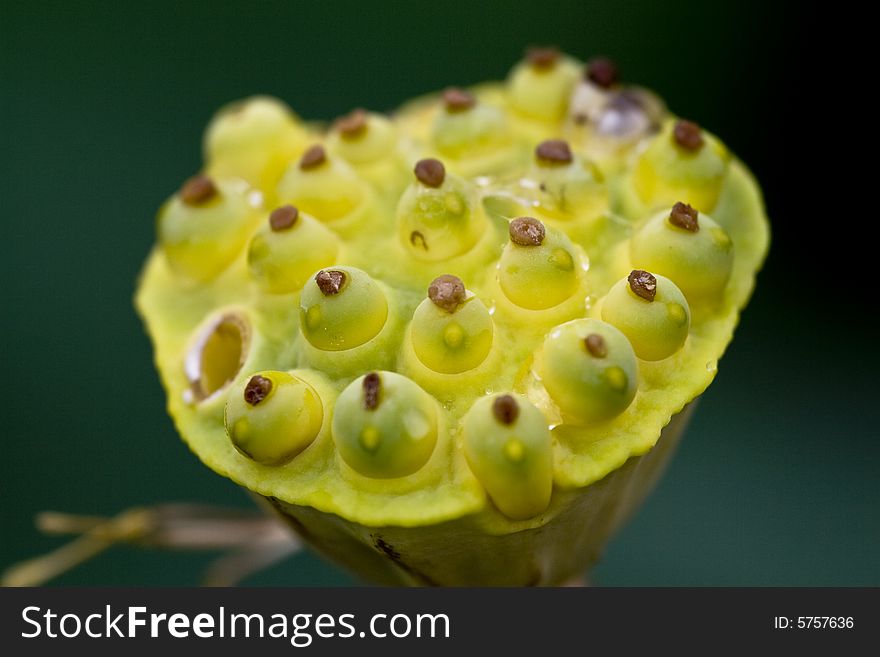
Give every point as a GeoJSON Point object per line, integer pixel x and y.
{"type": "Point", "coordinates": [288, 248]}
{"type": "Point", "coordinates": [436, 217]}
{"type": "Point", "coordinates": [589, 369]}
{"type": "Point", "coordinates": [651, 311]}
{"type": "Point", "coordinates": [540, 86]}
{"type": "Point", "coordinates": [341, 308]}
{"type": "Point", "coordinates": [451, 330]}
{"type": "Point", "coordinates": [688, 247]}
{"type": "Point", "coordinates": [380, 427]}
{"type": "Point", "coordinates": [682, 163]}
{"type": "Point", "coordinates": [324, 187]}
{"type": "Point", "coordinates": [205, 226]}
{"type": "Point", "coordinates": [273, 416]}
{"type": "Point", "coordinates": [384, 425]}
{"type": "Point", "coordinates": [507, 446]}
{"type": "Point", "coordinates": [253, 139]}
{"type": "Point", "coordinates": [539, 267]}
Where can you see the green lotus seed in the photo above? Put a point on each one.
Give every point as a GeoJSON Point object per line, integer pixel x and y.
{"type": "Point", "coordinates": [341, 308]}
{"type": "Point", "coordinates": [289, 248]}
{"type": "Point", "coordinates": [384, 425]}
{"type": "Point", "coordinates": [466, 128]}
{"type": "Point", "coordinates": [273, 417]}
{"type": "Point", "coordinates": [253, 139]}
{"type": "Point", "coordinates": [682, 163]}
{"type": "Point", "coordinates": [363, 137]}
{"type": "Point", "coordinates": [205, 226]}
{"type": "Point", "coordinates": [539, 87]}
{"type": "Point", "coordinates": [437, 217]}
{"type": "Point", "coordinates": [562, 183]}
{"type": "Point", "coordinates": [651, 311]}
{"type": "Point", "coordinates": [688, 247]}
{"type": "Point", "coordinates": [538, 267]}
{"type": "Point", "coordinates": [326, 188]}
{"type": "Point", "coordinates": [451, 329]}
{"type": "Point", "coordinates": [590, 370]}
{"type": "Point", "coordinates": [508, 448]}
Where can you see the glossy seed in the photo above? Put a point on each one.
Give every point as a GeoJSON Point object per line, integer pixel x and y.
{"type": "Point", "coordinates": [372, 386]}
{"type": "Point", "coordinates": [684, 216]}
{"type": "Point", "coordinates": [313, 158]}
{"type": "Point", "coordinates": [505, 409]}
{"type": "Point", "coordinates": [197, 190]}
{"type": "Point", "coordinates": [596, 345]}
{"type": "Point", "coordinates": [643, 284]}
{"type": "Point", "coordinates": [553, 151]}
{"type": "Point", "coordinates": [526, 231]}
{"type": "Point", "coordinates": [330, 282]}
{"type": "Point", "coordinates": [447, 292]}
{"type": "Point", "coordinates": [688, 135]}
{"type": "Point", "coordinates": [283, 218]}
{"type": "Point", "coordinates": [257, 389]}
{"type": "Point", "coordinates": [430, 172]}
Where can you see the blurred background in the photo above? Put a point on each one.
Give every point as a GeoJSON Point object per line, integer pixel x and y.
{"type": "Point", "coordinates": [101, 112]}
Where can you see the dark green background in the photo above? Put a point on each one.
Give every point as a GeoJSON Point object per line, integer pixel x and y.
{"type": "Point", "coordinates": [102, 112]}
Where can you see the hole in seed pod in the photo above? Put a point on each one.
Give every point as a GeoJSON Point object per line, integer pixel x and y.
{"type": "Point", "coordinates": [372, 386]}
{"type": "Point", "coordinates": [313, 158]}
{"type": "Point", "coordinates": [602, 72]}
{"type": "Point", "coordinates": [217, 355]}
{"type": "Point", "coordinates": [198, 190]}
{"type": "Point", "coordinates": [553, 152]}
{"type": "Point", "coordinates": [330, 281]}
{"type": "Point", "coordinates": [283, 218]}
{"type": "Point", "coordinates": [505, 409]}
{"type": "Point", "coordinates": [596, 345]}
{"type": "Point", "coordinates": [458, 100]}
{"type": "Point", "coordinates": [542, 58]}
{"type": "Point", "coordinates": [257, 389]}
{"type": "Point", "coordinates": [430, 172]}
{"type": "Point", "coordinates": [352, 126]}
{"type": "Point", "coordinates": [688, 135]}
{"type": "Point", "coordinates": [526, 231]}
{"type": "Point", "coordinates": [447, 292]}
{"type": "Point", "coordinates": [684, 216]}
{"type": "Point", "coordinates": [643, 284]}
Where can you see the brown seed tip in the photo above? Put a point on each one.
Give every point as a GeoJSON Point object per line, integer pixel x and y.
{"type": "Point", "coordinates": [330, 281]}
{"type": "Point", "coordinates": [372, 387]}
{"type": "Point", "coordinates": [526, 231]}
{"type": "Point", "coordinates": [352, 126]}
{"type": "Point", "coordinates": [542, 58]}
{"type": "Point", "coordinates": [643, 284]}
{"type": "Point", "coordinates": [602, 72]}
{"type": "Point", "coordinates": [313, 158]}
{"type": "Point", "coordinates": [505, 409]}
{"type": "Point", "coordinates": [447, 292]}
{"type": "Point", "coordinates": [458, 100]}
{"type": "Point", "coordinates": [553, 151]}
{"type": "Point", "coordinates": [596, 345]}
{"type": "Point", "coordinates": [283, 218]}
{"type": "Point", "coordinates": [430, 172]}
{"type": "Point", "coordinates": [688, 135]}
{"type": "Point", "coordinates": [198, 190]}
{"type": "Point", "coordinates": [257, 389]}
{"type": "Point", "coordinates": [684, 216]}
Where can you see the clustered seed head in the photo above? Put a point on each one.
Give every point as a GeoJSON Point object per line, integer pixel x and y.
{"type": "Point", "coordinates": [643, 284]}
{"type": "Point", "coordinates": [688, 135]}
{"type": "Point", "coordinates": [447, 292]}
{"type": "Point", "coordinates": [684, 216]}
{"type": "Point", "coordinates": [553, 152]}
{"type": "Point", "coordinates": [526, 231]}
{"type": "Point", "coordinates": [430, 172]}
{"type": "Point", "coordinates": [330, 282]}
{"type": "Point", "coordinates": [257, 389]}
{"type": "Point", "coordinates": [505, 409]}
{"type": "Point", "coordinates": [198, 190]}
